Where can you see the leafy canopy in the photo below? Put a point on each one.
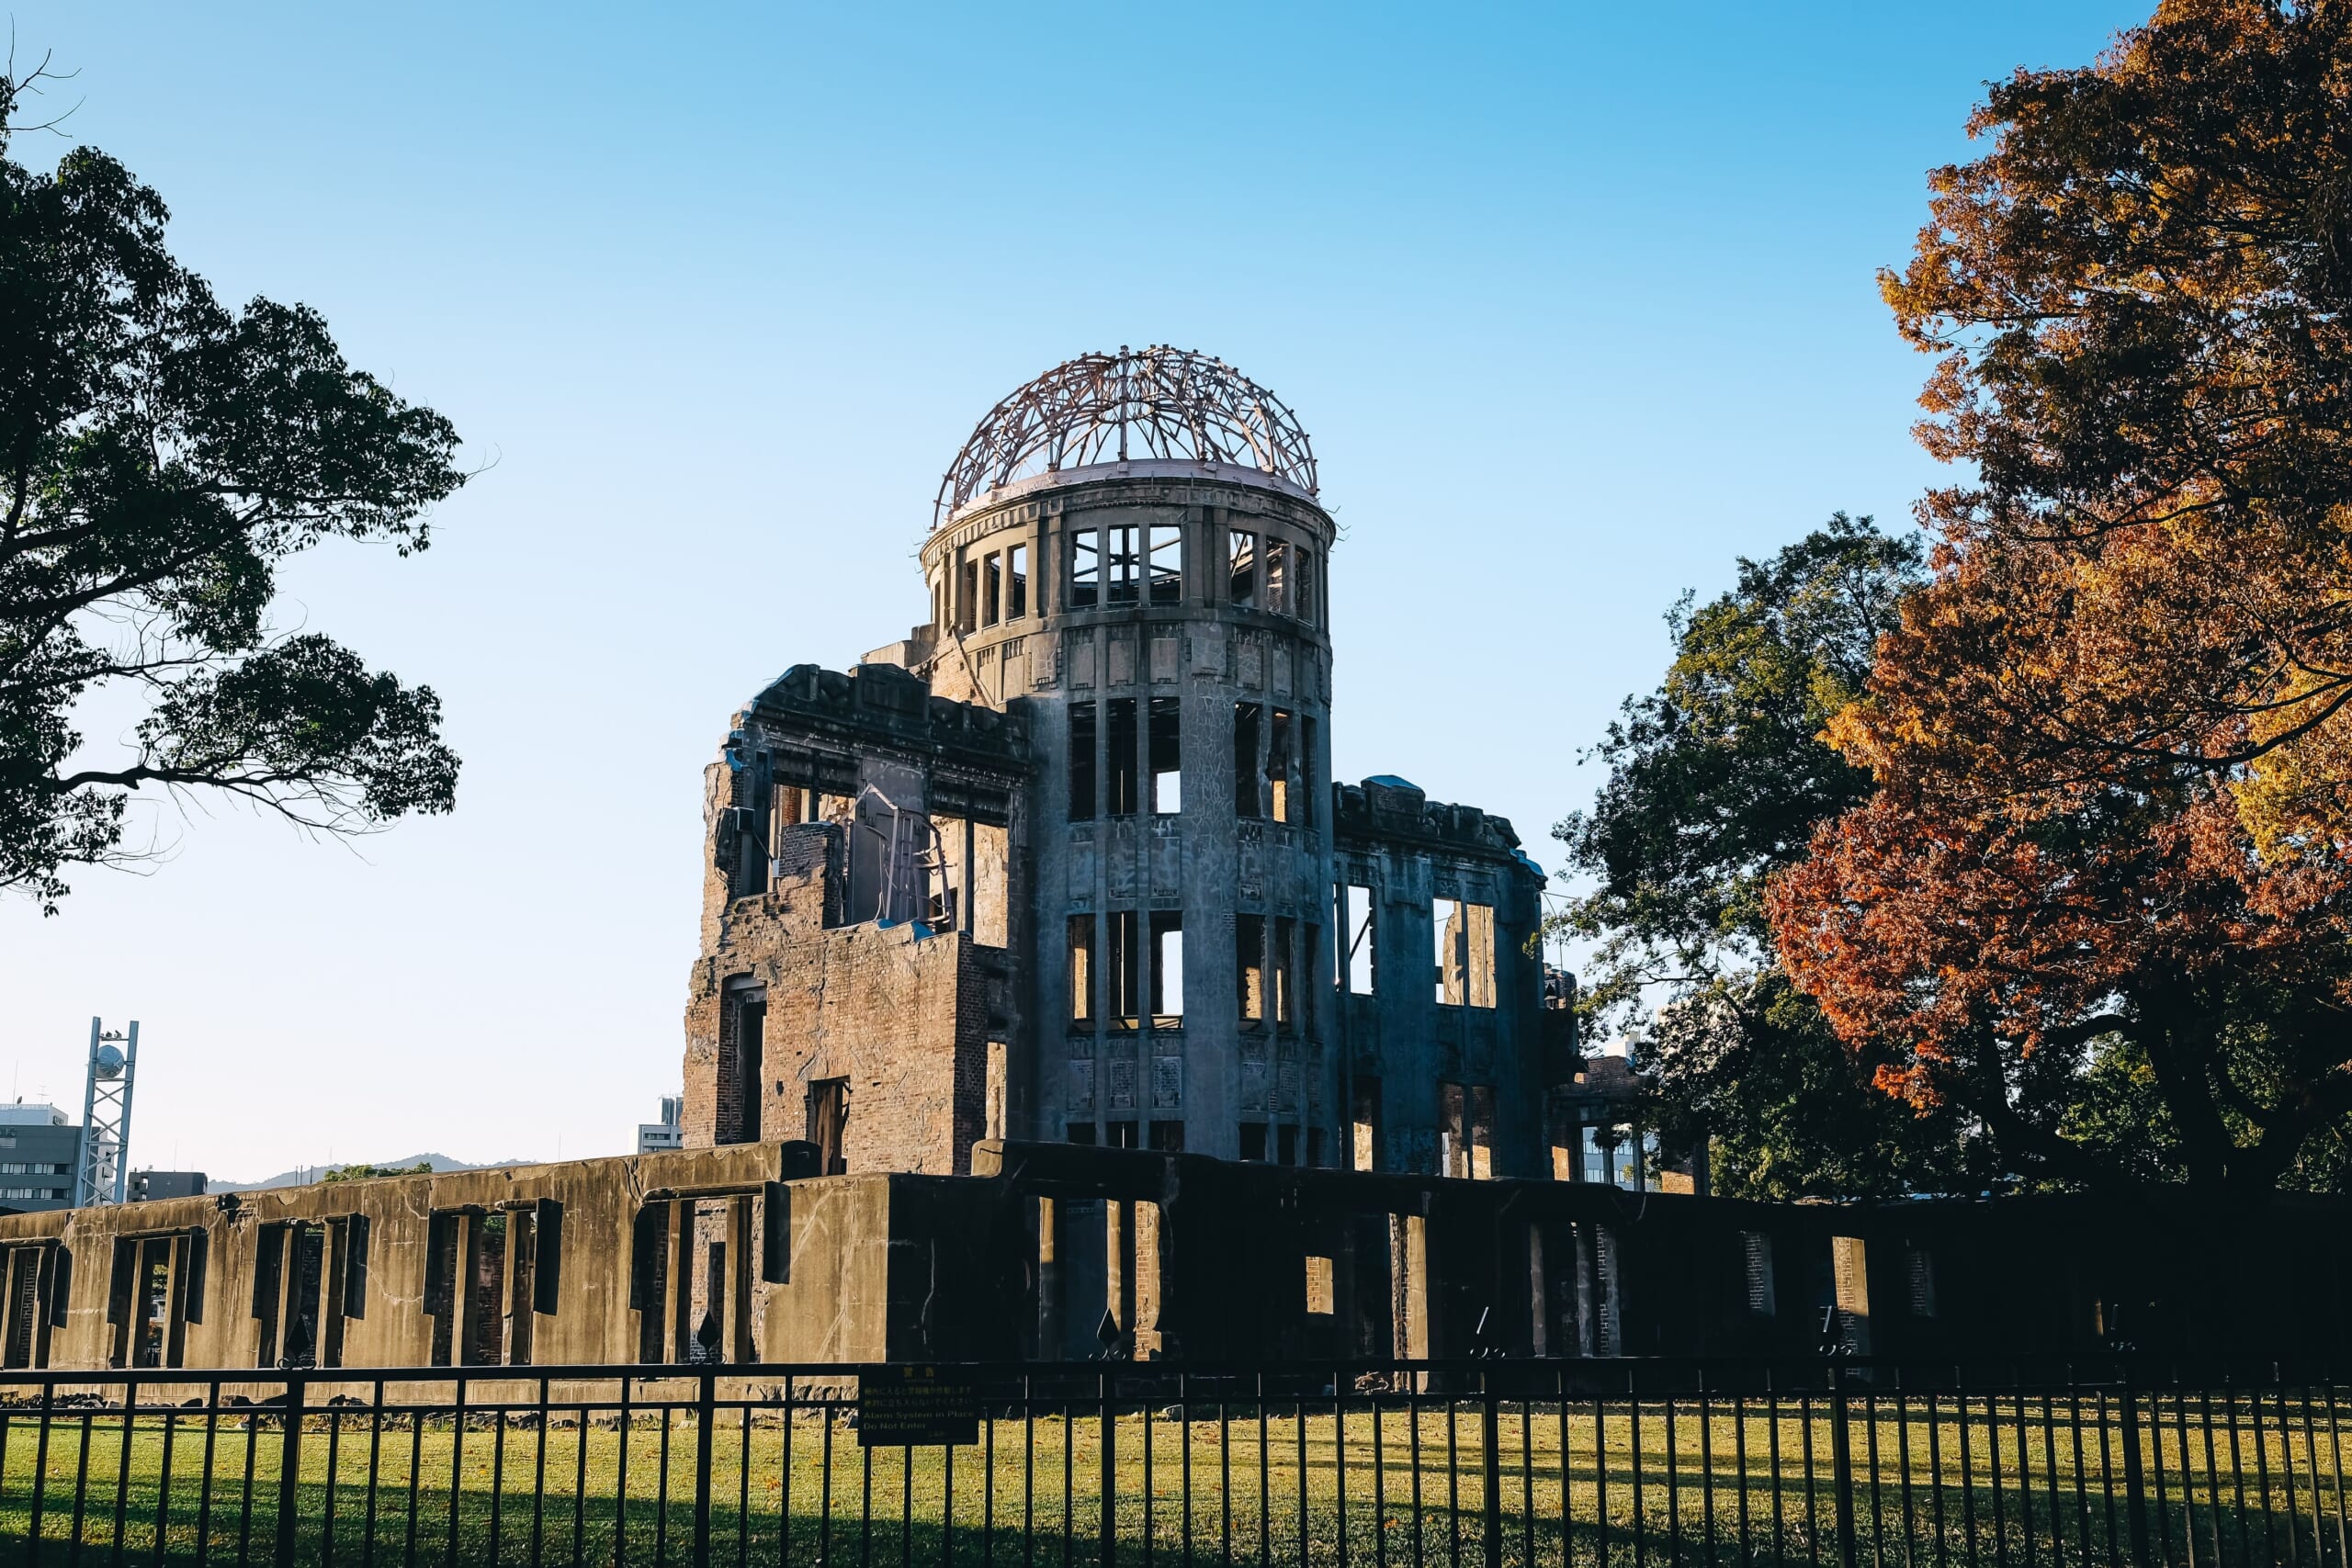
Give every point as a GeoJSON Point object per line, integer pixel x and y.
{"type": "Point", "coordinates": [2100, 902]}
{"type": "Point", "coordinates": [2137, 301]}
{"type": "Point", "coordinates": [160, 457]}
{"type": "Point", "coordinates": [1717, 779]}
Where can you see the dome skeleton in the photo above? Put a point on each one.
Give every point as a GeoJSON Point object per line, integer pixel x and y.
{"type": "Point", "coordinates": [1098, 407]}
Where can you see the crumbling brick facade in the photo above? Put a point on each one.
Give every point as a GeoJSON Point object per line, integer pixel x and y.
{"type": "Point", "coordinates": [839, 797]}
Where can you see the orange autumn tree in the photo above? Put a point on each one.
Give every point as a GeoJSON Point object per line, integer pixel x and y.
{"type": "Point", "coordinates": [2139, 301]}
{"type": "Point", "coordinates": [2104, 976]}
{"type": "Point", "coordinates": [2099, 899]}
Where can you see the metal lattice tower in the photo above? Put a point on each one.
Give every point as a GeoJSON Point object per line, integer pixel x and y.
{"type": "Point", "coordinates": [106, 1116]}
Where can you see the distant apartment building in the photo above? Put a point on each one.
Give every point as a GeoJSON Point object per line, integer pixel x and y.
{"type": "Point", "coordinates": [39, 1151]}
{"type": "Point", "coordinates": [146, 1185]}
{"type": "Point", "coordinates": [668, 1132]}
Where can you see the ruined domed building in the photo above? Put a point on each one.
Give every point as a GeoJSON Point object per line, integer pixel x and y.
{"type": "Point", "coordinates": [1069, 863]}
{"type": "Point", "coordinates": [1054, 1002]}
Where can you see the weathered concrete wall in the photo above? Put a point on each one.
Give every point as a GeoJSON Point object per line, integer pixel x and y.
{"type": "Point", "coordinates": [219, 1308]}
{"type": "Point", "coordinates": [1211, 1259]}
{"type": "Point", "coordinates": [1420, 1028]}
{"type": "Point", "coordinates": [701, 1256]}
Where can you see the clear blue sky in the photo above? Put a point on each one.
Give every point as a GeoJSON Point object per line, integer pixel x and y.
{"type": "Point", "coordinates": [1576, 302]}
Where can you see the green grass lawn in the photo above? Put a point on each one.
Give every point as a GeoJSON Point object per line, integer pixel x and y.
{"type": "Point", "coordinates": [1341, 1497]}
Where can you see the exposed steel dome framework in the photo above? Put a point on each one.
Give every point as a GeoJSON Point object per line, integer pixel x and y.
{"type": "Point", "coordinates": [1157, 402]}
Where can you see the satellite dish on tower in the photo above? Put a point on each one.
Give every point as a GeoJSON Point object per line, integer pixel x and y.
{"type": "Point", "coordinates": [104, 1169]}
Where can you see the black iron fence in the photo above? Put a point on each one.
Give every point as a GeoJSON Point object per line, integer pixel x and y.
{"type": "Point", "coordinates": [1390, 1465]}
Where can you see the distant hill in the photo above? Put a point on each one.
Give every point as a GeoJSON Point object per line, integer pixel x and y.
{"type": "Point", "coordinates": [303, 1175]}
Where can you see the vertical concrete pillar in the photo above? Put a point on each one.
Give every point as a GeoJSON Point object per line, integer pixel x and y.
{"type": "Point", "coordinates": [1117, 1294]}
{"type": "Point", "coordinates": [1145, 1255]}
{"type": "Point", "coordinates": [1050, 1280]}
{"type": "Point", "coordinates": [1539, 1306]}
{"type": "Point", "coordinates": [1608, 1319]}
{"type": "Point", "coordinates": [1850, 1260]}
{"type": "Point", "coordinates": [741, 1268]}
{"type": "Point", "coordinates": [1412, 1271]}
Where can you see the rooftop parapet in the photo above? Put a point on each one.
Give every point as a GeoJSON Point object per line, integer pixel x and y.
{"type": "Point", "coordinates": [885, 697]}
{"type": "Point", "coordinates": [1385, 807]}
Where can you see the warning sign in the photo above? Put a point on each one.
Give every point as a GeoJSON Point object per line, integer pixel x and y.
{"type": "Point", "coordinates": [917, 1406]}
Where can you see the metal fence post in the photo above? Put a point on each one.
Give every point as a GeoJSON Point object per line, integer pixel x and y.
{"type": "Point", "coordinates": [1108, 1546]}
{"type": "Point", "coordinates": [705, 1410]}
{"type": "Point", "coordinates": [1491, 1434]}
{"type": "Point", "coordinates": [290, 1472]}
{"type": "Point", "coordinates": [1842, 1451]}
{"type": "Point", "coordinates": [2135, 1495]}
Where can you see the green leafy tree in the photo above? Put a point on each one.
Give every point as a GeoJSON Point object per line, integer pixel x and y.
{"type": "Point", "coordinates": [1716, 780]}
{"type": "Point", "coordinates": [161, 456]}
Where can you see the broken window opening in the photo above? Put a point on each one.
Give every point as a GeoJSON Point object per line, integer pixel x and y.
{"type": "Point", "coordinates": [1126, 970]}
{"type": "Point", "coordinates": [648, 1279]}
{"type": "Point", "coordinates": [1278, 576]}
{"type": "Point", "coordinates": [1447, 921]}
{"type": "Point", "coordinates": [1246, 793]}
{"type": "Point", "coordinates": [1318, 1286]}
{"type": "Point", "coordinates": [1122, 758]}
{"type": "Point", "coordinates": [1123, 547]}
{"type": "Point", "coordinates": [1167, 969]}
{"type": "Point", "coordinates": [1168, 1137]}
{"type": "Point", "coordinates": [1119, 1135]}
{"type": "Point", "coordinates": [441, 1238]}
{"type": "Point", "coordinates": [1081, 969]}
{"type": "Point", "coordinates": [1250, 967]}
{"type": "Point", "coordinates": [305, 1274]}
{"type": "Point", "coordinates": [1364, 1125]}
{"type": "Point", "coordinates": [1242, 567]}
{"type": "Point", "coordinates": [1016, 583]}
{"type": "Point", "coordinates": [991, 589]}
{"type": "Point", "coordinates": [1085, 570]}
{"type": "Point", "coordinates": [1166, 741]}
{"type": "Point", "coordinates": [742, 1056]}
{"type": "Point", "coordinates": [153, 1330]}
{"type": "Point", "coordinates": [1167, 563]}
{"type": "Point", "coordinates": [1080, 1134]}
{"type": "Point", "coordinates": [708, 1333]}
{"type": "Point", "coordinates": [1278, 768]}
{"type": "Point", "coordinates": [1081, 761]}
{"type": "Point", "coordinates": [967, 612]}
{"type": "Point", "coordinates": [1362, 952]}
{"type": "Point", "coordinates": [1452, 1121]}
{"type": "Point", "coordinates": [485, 1302]}
{"type": "Point", "coordinates": [1285, 993]}
{"type": "Point", "coordinates": [1286, 1143]}
{"type": "Point", "coordinates": [1253, 1141]}
{"type": "Point", "coordinates": [522, 1246]}
{"type": "Point", "coordinates": [828, 1125]}
{"type": "Point", "coordinates": [1467, 1131]}
{"type": "Point", "coordinates": [1303, 589]}
{"type": "Point", "coordinates": [269, 1286]}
